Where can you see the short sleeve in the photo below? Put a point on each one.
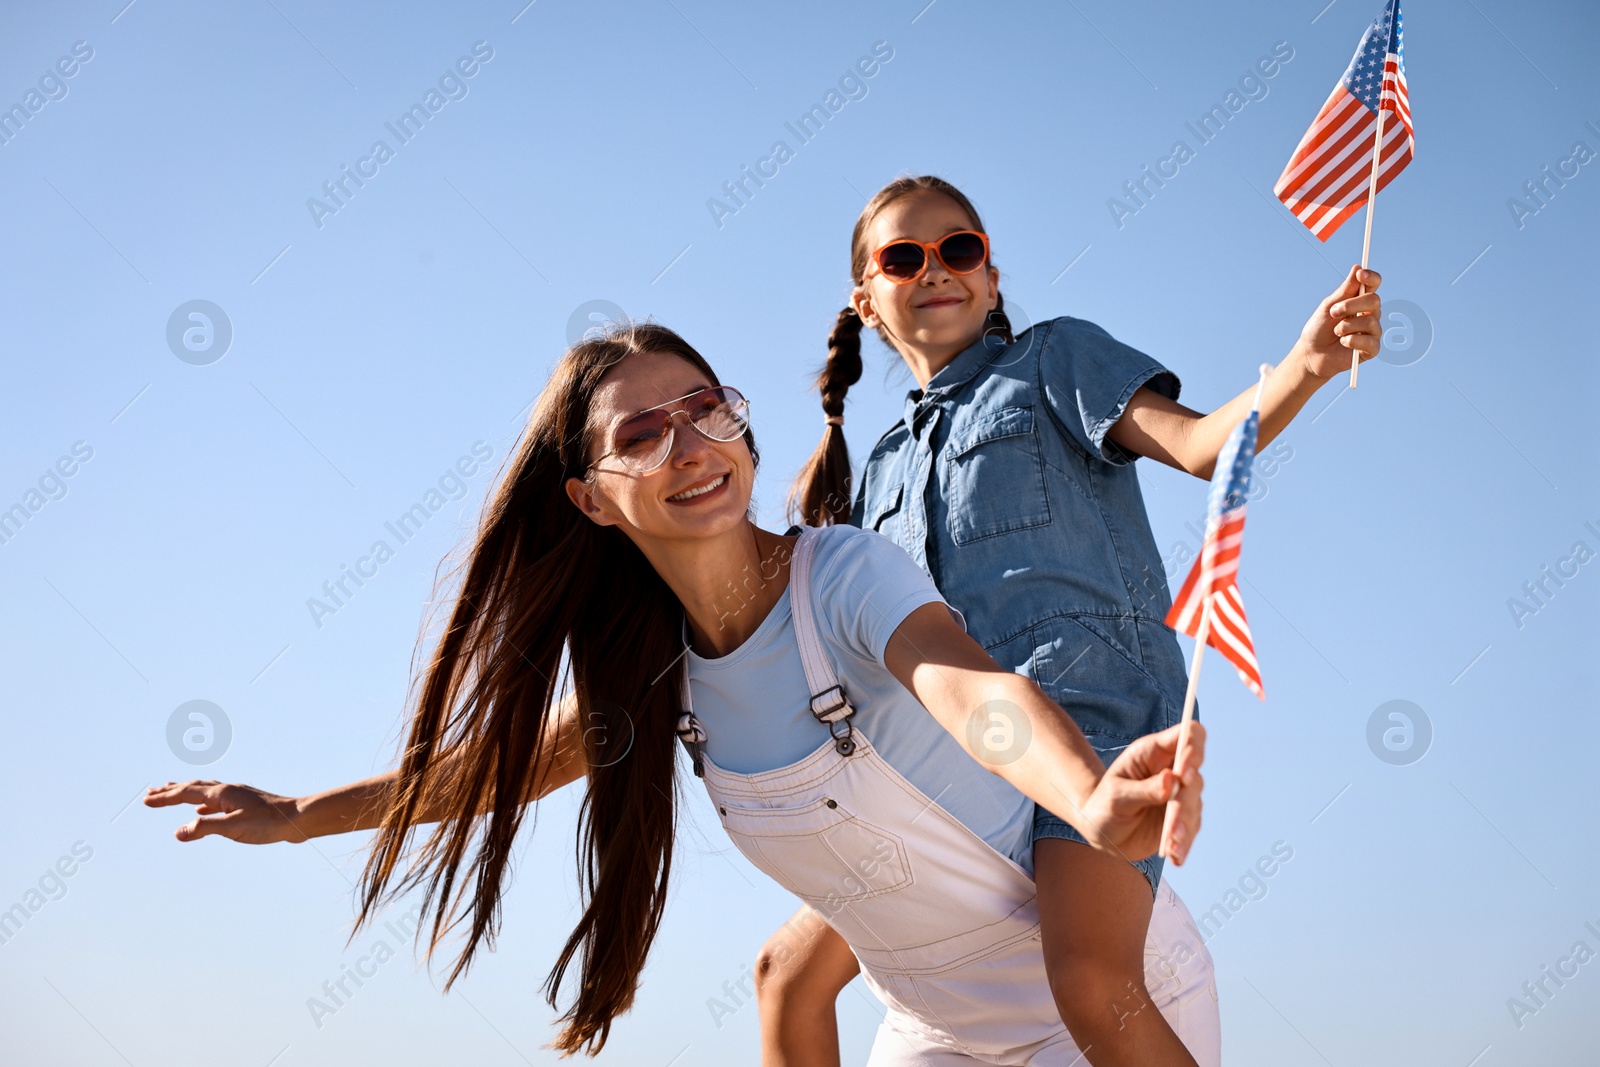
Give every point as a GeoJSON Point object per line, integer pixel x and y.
{"type": "Point", "coordinates": [864, 586]}
{"type": "Point", "coordinates": [1087, 378]}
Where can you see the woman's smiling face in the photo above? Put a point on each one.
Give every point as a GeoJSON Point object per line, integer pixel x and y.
{"type": "Point", "coordinates": [703, 486]}
{"type": "Point", "coordinates": [939, 313]}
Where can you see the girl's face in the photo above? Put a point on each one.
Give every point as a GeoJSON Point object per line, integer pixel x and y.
{"type": "Point", "coordinates": [652, 506]}
{"type": "Point", "coordinates": [940, 313]}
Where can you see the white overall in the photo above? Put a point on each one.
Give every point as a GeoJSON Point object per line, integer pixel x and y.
{"type": "Point", "coordinates": [945, 927]}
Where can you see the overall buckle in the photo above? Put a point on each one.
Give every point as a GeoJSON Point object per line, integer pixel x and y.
{"type": "Point", "coordinates": [835, 709]}
{"type": "Point", "coordinates": [693, 735]}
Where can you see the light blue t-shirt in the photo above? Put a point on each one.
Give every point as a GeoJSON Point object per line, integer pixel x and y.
{"type": "Point", "coordinates": [753, 702]}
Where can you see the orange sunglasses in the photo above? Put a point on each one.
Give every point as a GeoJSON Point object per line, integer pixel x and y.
{"type": "Point", "coordinates": [903, 261]}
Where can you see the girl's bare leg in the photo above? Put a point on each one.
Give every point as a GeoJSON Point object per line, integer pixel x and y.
{"type": "Point", "coordinates": [799, 973]}
{"type": "Point", "coordinates": [1094, 915]}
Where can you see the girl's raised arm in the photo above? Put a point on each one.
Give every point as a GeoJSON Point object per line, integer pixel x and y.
{"type": "Point", "coordinates": [1118, 810]}
{"type": "Point", "coordinates": [1162, 429]}
{"type": "Point", "coordinates": [254, 816]}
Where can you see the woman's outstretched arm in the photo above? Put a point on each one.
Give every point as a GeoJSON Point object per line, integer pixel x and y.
{"type": "Point", "coordinates": [1007, 724]}
{"type": "Point", "coordinates": [254, 816]}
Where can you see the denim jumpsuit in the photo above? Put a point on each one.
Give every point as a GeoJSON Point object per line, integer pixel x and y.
{"type": "Point", "coordinates": [1000, 482]}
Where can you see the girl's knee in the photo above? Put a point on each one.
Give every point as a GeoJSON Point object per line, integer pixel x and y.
{"type": "Point", "coordinates": [1096, 993]}
{"type": "Point", "coordinates": [775, 965]}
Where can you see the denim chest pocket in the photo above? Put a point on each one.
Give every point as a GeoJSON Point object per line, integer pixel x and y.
{"type": "Point", "coordinates": [995, 476]}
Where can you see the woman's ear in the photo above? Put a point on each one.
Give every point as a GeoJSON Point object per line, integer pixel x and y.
{"type": "Point", "coordinates": [582, 494]}
{"type": "Point", "coordinates": [994, 286]}
{"type": "Point", "coordinates": [861, 300]}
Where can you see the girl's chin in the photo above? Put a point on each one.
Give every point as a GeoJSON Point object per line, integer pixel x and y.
{"type": "Point", "coordinates": [952, 331]}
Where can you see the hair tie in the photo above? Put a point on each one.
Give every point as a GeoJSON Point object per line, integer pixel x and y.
{"type": "Point", "coordinates": [834, 420]}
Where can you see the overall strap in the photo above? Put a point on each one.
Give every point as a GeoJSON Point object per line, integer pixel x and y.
{"type": "Point", "coordinates": [690, 732]}
{"type": "Point", "coordinates": [828, 702]}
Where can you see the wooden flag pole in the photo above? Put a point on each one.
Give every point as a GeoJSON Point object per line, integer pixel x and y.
{"type": "Point", "coordinates": [1171, 815]}
{"type": "Point", "coordinates": [1372, 198]}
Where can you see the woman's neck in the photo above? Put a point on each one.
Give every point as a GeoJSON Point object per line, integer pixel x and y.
{"type": "Point", "coordinates": [728, 584]}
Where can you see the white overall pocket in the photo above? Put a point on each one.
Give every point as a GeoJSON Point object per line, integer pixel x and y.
{"type": "Point", "coordinates": [820, 851]}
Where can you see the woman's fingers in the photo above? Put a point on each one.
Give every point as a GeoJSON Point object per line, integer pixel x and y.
{"type": "Point", "coordinates": [241, 813]}
{"type": "Point", "coordinates": [1133, 795]}
{"type": "Point", "coordinates": [1179, 832]}
{"type": "Point", "coordinates": [1187, 824]}
{"type": "Point", "coordinates": [207, 825]}
{"type": "Point", "coordinates": [1192, 753]}
{"type": "Point", "coordinates": [162, 796]}
{"type": "Point", "coordinates": [194, 792]}
{"type": "Point", "coordinates": [1166, 748]}
{"type": "Point", "coordinates": [1186, 742]}
{"type": "Point", "coordinates": [1150, 807]}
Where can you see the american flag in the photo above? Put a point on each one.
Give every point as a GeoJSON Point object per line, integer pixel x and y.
{"type": "Point", "coordinates": [1327, 179]}
{"type": "Point", "coordinates": [1215, 573]}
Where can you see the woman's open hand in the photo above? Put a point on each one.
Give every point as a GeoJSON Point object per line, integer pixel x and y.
{"type": "Point", "coordinates": [241, 813]}
{"type": "Point", "coordinates": [1129, 805]}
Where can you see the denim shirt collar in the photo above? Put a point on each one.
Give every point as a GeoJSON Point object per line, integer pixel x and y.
{"type": "Point", "coordinates": [953, 375]}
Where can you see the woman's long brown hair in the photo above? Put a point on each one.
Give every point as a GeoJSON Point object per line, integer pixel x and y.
{"type": "Point", "coordinates": [540, 577]}
{"type": "Point", "coordinates": [821, 491]}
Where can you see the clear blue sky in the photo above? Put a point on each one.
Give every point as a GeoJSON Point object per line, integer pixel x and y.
{"type": "Point", "coordinates": [370, 353]}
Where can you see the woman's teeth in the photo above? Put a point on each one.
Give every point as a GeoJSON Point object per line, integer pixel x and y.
{"type": "Point", "coordinates": [690, 493]}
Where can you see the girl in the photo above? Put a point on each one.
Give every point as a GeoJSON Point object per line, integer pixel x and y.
{"type": "Point", "coordinates": [820, 684]}
{"type": "Point", "coordinates": [1009, 481]}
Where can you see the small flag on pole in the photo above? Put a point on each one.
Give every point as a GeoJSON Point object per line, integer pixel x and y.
{"type": "Point", "coordinates": [1326, 180]}
{"type": "Point", "coordinates": [1208, 607]}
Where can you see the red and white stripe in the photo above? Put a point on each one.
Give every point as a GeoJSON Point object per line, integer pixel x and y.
{"type": "Point", "coordinates": [1219, 560]}
{"type": "Point", "coordinates": [1212, 580]}
{"type": "Point", "coordinates": [1230, 635]}
{"type": "Point", "coordinates": [1328, 176]}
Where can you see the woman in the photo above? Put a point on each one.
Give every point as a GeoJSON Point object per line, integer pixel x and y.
{"type": "Point", "coordinates": [621, 537]}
